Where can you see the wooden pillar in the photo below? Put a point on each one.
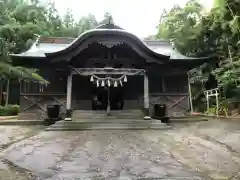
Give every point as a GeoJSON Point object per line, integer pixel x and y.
{"type": "Point", "coordinates": [69, 98]}
{"type": "Point", "coordinates": [190, 94]}
{"type": "Point", "coordinates": [208, 107]}
{"type": "Point", "coordinates": [146, 97]}
{"type": "Point", "coordinates": [217, 103]}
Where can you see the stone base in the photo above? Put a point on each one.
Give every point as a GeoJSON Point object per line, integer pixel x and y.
{"type": "Point", "coordinates": [146, 112]}
{"type": "Point", "coordinates": [68, 119]}
{"type": "Point", "coordinates": [68, 115]}
{"type": "Point", "coordinates": [147, 118]}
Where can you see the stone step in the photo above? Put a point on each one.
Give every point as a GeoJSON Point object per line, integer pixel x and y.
{"type": "Point", "coordinates": [27, 116]}
{"type": "Point", "coordinates": [106, 125]}
{"type": "Point", "coordinates": [123, 114]}
{"type": "Point", "coordinates": [104, 112]}
{"type": "Point", "coordinates": [105, 118]}
{"type": "Point", "coordinates": [105, 128]}
{"type": "Point", "coordinates": [125, 121]}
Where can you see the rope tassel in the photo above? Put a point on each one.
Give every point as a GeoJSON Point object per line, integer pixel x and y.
{"type": "Point", "coordinates": [115, 84]}
{"type": "Point", "coordinates": [91, 80]}
{"type": "Point", "coordinates": [121, 83]}
{"type": "Point", "coordinates": [103, 84]}
{"type": "Point", "coordinates": [125, 79]}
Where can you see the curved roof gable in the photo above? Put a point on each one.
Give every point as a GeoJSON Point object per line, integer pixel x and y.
{"type": "Point", "coordinates": [160, 51]}
{"type": "Point", "coordinates": [109, 32]}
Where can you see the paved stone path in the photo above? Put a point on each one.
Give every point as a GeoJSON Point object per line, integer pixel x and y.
{"type": "Point", "coordinates": [208, 150]}
{"type": "Point", "coordinates": [98, 154]}
{"type": "Point", "coordinates": [8, 136]}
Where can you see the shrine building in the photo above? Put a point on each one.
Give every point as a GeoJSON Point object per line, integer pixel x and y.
{"type": "Point", "coordinates": [105, 69]}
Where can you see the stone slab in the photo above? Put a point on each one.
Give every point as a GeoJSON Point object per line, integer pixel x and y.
{"type": "Point", "coordinates": [21, 122]}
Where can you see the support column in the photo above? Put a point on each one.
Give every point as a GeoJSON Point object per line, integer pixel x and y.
{"type": "Point", "coordinates": [190, 94]}
{"type": "Point", "coordinates": [69, 98]}
{"type": "Point", "coordinates": [208, 107]}
{"type": "Point", "coordinates": [146, 97]}
{"type": "Point", "coordinates": [217, 103]}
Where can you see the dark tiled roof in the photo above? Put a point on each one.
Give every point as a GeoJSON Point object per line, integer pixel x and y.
{"type": "Point", "coordinates": [45, 45]}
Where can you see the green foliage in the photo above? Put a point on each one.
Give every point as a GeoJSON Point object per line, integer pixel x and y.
{"type": "Point", "coordinates": [10, 110]}
{"type": "Point", "coordinates": [22, 20]}
{"type": "Point", "coordinates": [216, 33]}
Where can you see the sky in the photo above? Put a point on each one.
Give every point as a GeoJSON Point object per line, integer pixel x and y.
{"type": "Point", "coordinates": [136, 16]}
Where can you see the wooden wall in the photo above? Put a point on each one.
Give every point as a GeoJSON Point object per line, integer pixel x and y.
{"type": "Point", "coordinates": [171, 89]}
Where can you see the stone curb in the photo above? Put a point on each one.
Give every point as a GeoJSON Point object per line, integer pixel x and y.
{"type": "Point", "coordinates": [21, 122]}
{"type": "Point", "coordinates": [8, 117]}
{"type": "Point", "coordinates": [218, 117]}
{"type": "Point", "coordinates": [187, 119]}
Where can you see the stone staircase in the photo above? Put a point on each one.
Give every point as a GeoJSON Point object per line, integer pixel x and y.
{"type": "Point", "coordinates": [98, 120]}
{"type": "Point", "coordinates": [81, 115]}
{"type": "Point", "coordinates": [27, 116]}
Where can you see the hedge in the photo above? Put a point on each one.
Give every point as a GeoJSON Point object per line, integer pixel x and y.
{"type": "Point", "coordinates": [9, 110]}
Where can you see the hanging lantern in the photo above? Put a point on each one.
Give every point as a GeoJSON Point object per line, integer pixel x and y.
{"type": "Point", "coordinates": [103, 83]}
{"type": "Point", "coordinates": [121, 82]}
{"type": "Point", "coordinates": [91, 80]}
{"type": "Point", "coordinates": [125, 79]}
{"type": "Point", "coordinates": [97, 83]}
{"type": "Point", "coordinates": [115, 84]}
{"type": "Point", "coordinates": [109, 83]}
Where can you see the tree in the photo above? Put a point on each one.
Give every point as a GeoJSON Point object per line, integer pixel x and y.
{"type": "Point", "coordinates": [108, 18]}
{"type": "Point", "coordinates": [86, 23]}
{"type": "Point", "coordinates": [11, 29]}
{"type": "Point", "coordinates": [21, 20]}
{"type": "Point", "coordinates": [216, 33]}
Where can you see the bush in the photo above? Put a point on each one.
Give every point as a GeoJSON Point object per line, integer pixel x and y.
{"type": "Point", "coordinates": [10, 110]}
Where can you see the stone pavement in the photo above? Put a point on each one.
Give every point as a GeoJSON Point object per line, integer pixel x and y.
{"type": "Point", "coordinates": [206, 150]}
{"type": "Point", "coordinates": [98, 154]}
{"type": "Point", "coordinates": [8, 136]}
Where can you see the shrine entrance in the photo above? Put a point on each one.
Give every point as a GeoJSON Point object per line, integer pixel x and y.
{"type": "Point", "coordinates": [104, 96]}
{"type": "Point", "coordinates": [116, 98]}
{"type": "Point", "coordinates": [107, 89]}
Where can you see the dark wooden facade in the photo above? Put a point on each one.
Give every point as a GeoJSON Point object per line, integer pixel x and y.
{"type": "Point", "coordinates": [98, 49]}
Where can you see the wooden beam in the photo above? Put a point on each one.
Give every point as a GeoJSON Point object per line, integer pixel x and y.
{"type": "Point", "coordinates": [43, 94]}
{"type": "Point", "coordinates": [107, 71]}
{"type": "Point", "coordinates": [34, 103]}
{"type": "Point", "coordinates": [176, 102]}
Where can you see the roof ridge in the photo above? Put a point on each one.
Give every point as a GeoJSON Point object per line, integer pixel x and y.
{"type": "Point", "coordinates": [55, 40]}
